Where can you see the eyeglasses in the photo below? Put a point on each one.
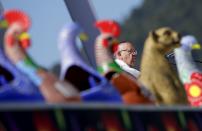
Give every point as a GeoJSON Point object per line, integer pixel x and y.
{"type": "Point", "coordinates": [134, 52]}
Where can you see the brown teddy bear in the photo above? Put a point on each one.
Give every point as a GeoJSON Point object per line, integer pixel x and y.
{"type": "Point", "coordinates": [156, 72]}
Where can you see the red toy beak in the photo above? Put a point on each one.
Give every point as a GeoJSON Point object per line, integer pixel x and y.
{"type": "Point", "coordinates": [115, 45]}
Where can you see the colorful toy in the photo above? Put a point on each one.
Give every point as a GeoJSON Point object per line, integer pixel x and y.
{"type": "Point", "coordinates": [93, 86]}
{"type": "Point", "coordinates": [190, 74]}
{"type": "Point", "coordinates": [15, 86]}
{"type": "Point", "coordinates": [52, 89]}
{"type": "Point", "coordinates": [106, 43]}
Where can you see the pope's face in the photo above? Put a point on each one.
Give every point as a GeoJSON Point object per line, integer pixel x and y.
{"type": "Point", "coordinates": [127, 53]}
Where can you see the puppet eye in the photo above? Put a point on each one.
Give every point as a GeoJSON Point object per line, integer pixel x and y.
{"type": "Point", "coordinates": [168, 33]}
{"type": "Point", "coordinates": [109, 39]}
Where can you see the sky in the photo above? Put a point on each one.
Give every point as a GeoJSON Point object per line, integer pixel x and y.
{"type": "Point", "coordinates": [48, 16]}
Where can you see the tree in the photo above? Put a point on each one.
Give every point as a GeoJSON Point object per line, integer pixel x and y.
{"type": "Point", "coordinates": [181, 15]}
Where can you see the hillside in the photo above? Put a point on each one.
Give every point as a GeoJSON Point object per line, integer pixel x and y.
{"type": "Point", "coordinates": [182, 15]}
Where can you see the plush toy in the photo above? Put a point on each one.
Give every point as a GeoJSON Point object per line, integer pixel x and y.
{"type": "Point", "coordinates": [156, 72]}
{"type": "Point", "coordinates": [92, 85]}
{"type": "Point", "coordinates": [190, 74]}
{"type": "Point", "coordinates": [105, 44]}
{"type": "Point", "coordinates": [15, 43]}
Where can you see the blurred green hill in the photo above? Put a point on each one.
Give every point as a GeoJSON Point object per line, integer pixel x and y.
{"type": "Point", "coordinates": [184, 16]}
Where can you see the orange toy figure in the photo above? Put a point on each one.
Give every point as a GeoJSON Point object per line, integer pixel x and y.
{"type": "Point", "coordinates": [106, 43]}
{"type": "Point", "coordinates": [15, 44]}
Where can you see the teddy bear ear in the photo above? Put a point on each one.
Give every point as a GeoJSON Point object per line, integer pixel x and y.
{"type": "Point", "coordinates": [154, 35]}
